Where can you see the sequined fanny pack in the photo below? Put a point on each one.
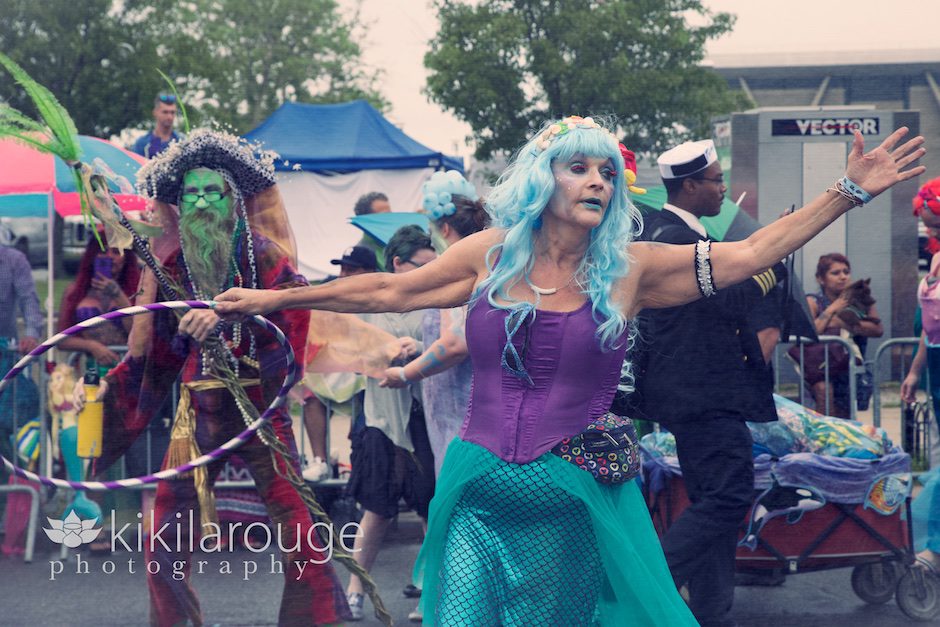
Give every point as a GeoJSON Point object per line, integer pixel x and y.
{"type": "Point", "coordinates": [607, 448]}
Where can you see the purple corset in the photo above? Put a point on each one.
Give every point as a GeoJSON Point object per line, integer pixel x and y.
{"type": "Point", "coordinates": [574, 380]}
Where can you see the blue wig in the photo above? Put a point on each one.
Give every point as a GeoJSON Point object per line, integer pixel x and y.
{"type": "Point", "coordinates": [517, 202]}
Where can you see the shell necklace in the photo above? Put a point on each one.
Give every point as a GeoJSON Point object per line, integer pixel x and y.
{"type": "Point", "coordinates": [548, 291]}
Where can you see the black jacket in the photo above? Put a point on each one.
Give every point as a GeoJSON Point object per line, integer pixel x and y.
{"type": "Point", "coordinates": [703, 359]}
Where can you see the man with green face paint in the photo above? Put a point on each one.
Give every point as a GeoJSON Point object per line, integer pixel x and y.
{"type": "Point", "coordinates": [230, 230]}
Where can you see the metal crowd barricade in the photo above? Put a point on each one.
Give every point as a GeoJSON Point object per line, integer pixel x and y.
{"type": "Point", "coordinates": [303, 447]}
{"type": "Point", "coordinates": [917, 417]}
{"type": "Point", "coordinates": [17, 421]}
{"type": "Point", "coordinates": [854, 369]}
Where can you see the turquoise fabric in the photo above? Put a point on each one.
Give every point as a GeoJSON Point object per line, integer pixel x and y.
{"type": "Point", "coordinates": [925, 509]}
{"type": "Point", "coordinates": [540, 543]}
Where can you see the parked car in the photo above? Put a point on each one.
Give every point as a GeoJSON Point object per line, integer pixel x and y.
{"type": "Point", "coordinates": [30, 236]}
{"type": "Point", "coordinates": [75, 235]}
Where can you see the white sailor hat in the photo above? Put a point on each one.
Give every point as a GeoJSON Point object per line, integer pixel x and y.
{"type": "Point", "coordinates": [687, 159]}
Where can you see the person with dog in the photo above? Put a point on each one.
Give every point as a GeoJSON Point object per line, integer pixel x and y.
{"type": "Point", "coordinates": [840, 307]}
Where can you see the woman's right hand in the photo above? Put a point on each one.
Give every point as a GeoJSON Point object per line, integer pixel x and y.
{"type": "Point", "coordinates": [104, 355]}
{"type": "Point", "coordinates": [78, 393]}
{"type": "Point", "coordinates": [909, 387]}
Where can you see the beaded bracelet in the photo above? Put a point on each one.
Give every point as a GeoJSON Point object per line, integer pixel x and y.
{"type": "Point", "coordinates": [703, 268]}
{"type": "Point", "coordinates": [855, 189]}
{"type": "Point", "coordinates": [851, 192]}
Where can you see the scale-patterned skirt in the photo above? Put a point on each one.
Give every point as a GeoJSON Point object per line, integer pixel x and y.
{"type": "Point", "coordinates": [541, 543]}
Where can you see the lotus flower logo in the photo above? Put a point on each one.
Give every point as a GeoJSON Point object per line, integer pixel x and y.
{"type": "Point", "coordinates": [73, 531]}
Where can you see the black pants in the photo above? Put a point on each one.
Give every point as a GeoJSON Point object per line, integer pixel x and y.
{"type": "Point", "coordinates": [718, 470]}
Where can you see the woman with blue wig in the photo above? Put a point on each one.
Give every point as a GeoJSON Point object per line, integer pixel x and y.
{"type": "Point", "coordinates": [518, 535]}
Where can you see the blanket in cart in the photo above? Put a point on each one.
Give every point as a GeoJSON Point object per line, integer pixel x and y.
{"type": "Point", "coordinates": [800, 430]}
{"type": "Point", "coordinates": [838, 461]}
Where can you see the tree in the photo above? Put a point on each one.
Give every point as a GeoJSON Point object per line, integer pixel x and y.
{"type": "Point", "coordinates": [507, 66]}
{"type": "Point", "coordinates": [232, 61]}
{"type": "Point", "coordinates": [91, 60]}
{"type": "Point", "coordinates": [255, 58]}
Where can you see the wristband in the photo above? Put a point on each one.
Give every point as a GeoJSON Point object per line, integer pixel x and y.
{"type": "Point", "coordinates": [401, 375]}
{"type": "Point", "coordinates": [854, 189]}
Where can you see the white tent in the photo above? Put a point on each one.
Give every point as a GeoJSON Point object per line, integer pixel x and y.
{"type": "Point", "coordinates": [330, 155]}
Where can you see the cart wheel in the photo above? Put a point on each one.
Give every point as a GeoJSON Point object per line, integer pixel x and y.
{"type": "Point", "coordinates": [875, 583]}
{"type": "Point", "coordinates": [918, 595]}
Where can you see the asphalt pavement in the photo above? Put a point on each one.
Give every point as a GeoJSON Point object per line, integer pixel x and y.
{"type": "Point", "coordinates": [31, 594]}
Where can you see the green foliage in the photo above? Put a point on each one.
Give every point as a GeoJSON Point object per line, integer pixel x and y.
{"type": "Point", "coordinates": [233, 61]}
{"type": "Point", "coordinates": [507, 66]}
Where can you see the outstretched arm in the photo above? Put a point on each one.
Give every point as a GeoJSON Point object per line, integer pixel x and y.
{"type": "Point", "coordinates": [665, 279]}
{"type": "Point", "coordinates": [445, 282]}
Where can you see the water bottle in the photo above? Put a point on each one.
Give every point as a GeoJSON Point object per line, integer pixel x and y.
{"type": "Point", "coordinates": [91, 418]}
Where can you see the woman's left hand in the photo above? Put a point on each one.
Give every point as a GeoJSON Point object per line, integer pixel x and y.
{"type": "Point", "coordinates": [881, 168]}
{"type": "Point", "coordinates": [199, 323]}
{"type": "Point", "coordinates": [108, 287]}
{"type": "Point", "coordinates": [407, 346]}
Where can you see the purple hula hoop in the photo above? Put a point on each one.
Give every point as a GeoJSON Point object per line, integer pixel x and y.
{"type": "Point", "coordinates": [238, 440]}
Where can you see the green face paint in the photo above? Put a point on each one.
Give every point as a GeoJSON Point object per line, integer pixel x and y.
{"type": "Point", "coordinates": [206, 225]}
{"type": "Point", "coordinates": [204, 190]}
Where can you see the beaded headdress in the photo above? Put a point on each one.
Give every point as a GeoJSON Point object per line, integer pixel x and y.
{"type": "Point", "coordinates": [162, 176]}
{"type": "Point", "coordinates": [248, 171]}
{"type": "Point", "coordinates": [439, 190]}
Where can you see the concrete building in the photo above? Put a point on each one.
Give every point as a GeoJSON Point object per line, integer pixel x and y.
{"type": "Point", "coordinates": [903, 79]}
{"type": "Point", "coordinates": [777, 166]}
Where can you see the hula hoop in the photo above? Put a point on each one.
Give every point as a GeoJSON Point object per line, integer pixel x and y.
{"type": "Point", "coordinates": [238, 440]}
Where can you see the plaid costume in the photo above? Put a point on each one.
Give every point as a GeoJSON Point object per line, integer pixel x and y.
{"type": "Point", "coordinates": [141, 383]}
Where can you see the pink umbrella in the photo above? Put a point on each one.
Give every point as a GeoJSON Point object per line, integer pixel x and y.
{"type": "Point", "coordinates": [36, 184]}
{"type": "Point", "coordinates": [30, 179]}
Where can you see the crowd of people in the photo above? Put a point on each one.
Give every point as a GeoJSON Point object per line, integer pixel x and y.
{"type": "Point", "coordinates": [517, 318]}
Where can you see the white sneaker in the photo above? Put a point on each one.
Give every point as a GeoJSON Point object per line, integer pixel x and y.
{"type": "Point", "coordinates": [317, 470]}
{"type": "Point", "coordinates": [356, 600]}
{"type": "Point", "coordinates": [415, 616]}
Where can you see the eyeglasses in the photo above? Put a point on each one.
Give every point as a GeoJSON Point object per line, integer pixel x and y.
{"type": "Point", "coordinates": [167, 98]}
{"type": "Point", "coordinates": [208, 197]}
{"type": "Point", "coordinates": [416, 265]}
{"type": "Point", "coordinates": [720, 180]}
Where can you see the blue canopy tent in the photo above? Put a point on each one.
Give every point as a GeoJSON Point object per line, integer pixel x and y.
{"type": "Point", "coordinates": [346, 137]}
{"type": "Point", "coordinates": [332, 154]}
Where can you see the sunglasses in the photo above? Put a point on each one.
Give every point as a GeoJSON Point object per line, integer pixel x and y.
{"type": "Point", "coordinates": [167, 98]}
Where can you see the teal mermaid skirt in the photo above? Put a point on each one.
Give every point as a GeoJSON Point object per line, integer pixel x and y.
{"type": "Point", "coordinates": [541, 543]}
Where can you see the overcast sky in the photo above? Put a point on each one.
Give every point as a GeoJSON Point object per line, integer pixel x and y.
{"type": "Point", "coordinates": [398, 32]}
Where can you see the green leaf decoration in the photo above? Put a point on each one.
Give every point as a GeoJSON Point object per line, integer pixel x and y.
{"type": "Point", "coordinates": [59, 132]}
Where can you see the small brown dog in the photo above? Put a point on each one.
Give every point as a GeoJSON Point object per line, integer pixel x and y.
{"type": "Point", "coordinates": [860, 301]}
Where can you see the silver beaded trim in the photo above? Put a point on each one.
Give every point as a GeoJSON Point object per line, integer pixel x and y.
{"type": "Point", "coordinates": [703, 268]}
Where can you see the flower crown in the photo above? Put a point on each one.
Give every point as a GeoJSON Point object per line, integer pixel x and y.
{"type": "Point", "coordinates": [573, 122]}
{"type": "Point", "coordinates": [439, 190]}
{"type": "Point", "coordinates": [564, 126]}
